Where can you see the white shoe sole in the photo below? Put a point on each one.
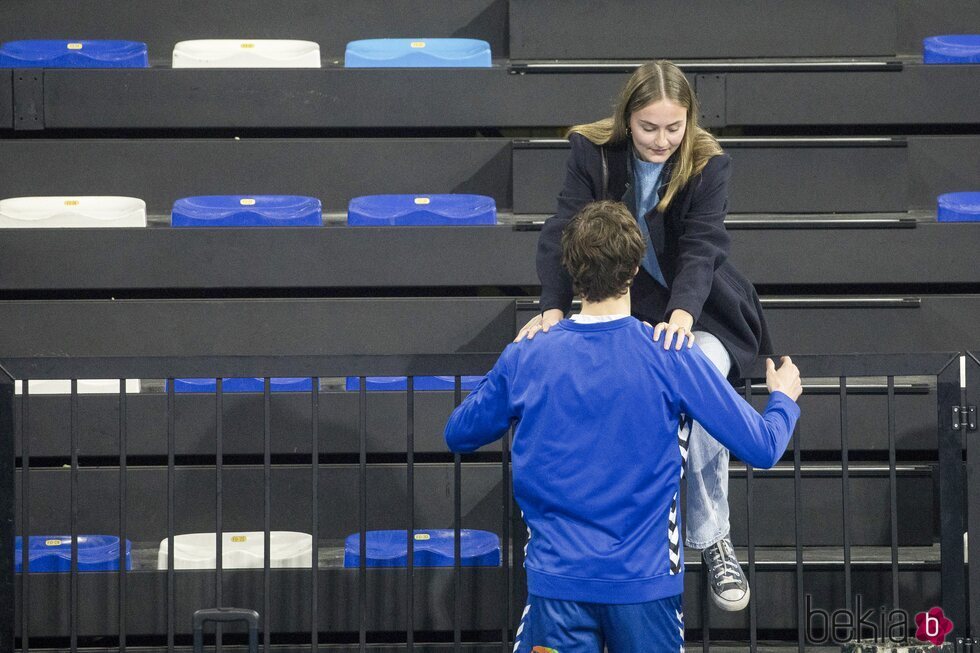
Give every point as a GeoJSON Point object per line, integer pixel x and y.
{"type": "Point", "coordinates": [731, 606]}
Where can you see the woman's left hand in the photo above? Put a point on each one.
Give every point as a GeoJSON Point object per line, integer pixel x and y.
{"type": "Point", "coordinates": [681, 323]}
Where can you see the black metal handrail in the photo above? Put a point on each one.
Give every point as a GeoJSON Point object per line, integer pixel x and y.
{"type": "Point", "coordinates": [942, 366]}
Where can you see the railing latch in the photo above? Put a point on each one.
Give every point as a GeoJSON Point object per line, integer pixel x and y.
{"type": "Point", "coordinates": [965, 418]}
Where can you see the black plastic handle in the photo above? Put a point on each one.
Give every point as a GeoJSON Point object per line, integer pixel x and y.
{"type": "Point", "coordinates": [225, 615]}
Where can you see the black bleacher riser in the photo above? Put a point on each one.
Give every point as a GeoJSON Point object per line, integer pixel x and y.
{"type": "Point", "coordinates": [627, 29]}
{"type": "Point", "coordinates": [98, 423]}
{"type": "Point", "coordinates": [826, 325]}
{"type": "Point", "coordinates": [895, 93]}
{"type": "Point", "coordinates": [58, 339]}
{"type": "Point", "coordinates": [6, 98]}
{"type": "Point", "coordinates": [896, 258]}
{"type": "Point", "coordinates": [579, 29]}
{"type": "Point", "coordinates": [443, 257]}
{"type": "Point", "coordinates": [334, 171]}
{"type": "Point", "coordinates": [483, 594]}
{"type": "Point", "coordinates": [528, 28]}
{"type": "Point", "coordinates": [483, 591]}
{"type": "Point", "coordinates": [797, 176]}
{"type": "Point", "coordinates": [822, 525]}
{"type": "Point", "coordinates": [769, 176]}
{"type": "Point", "coordinates": [242, 491]}
{"type": "Point", "coordinates": [161, 23]}
{"type": "Point", "coordinates": [774, 596]}
{"type": "Point", "coordinates": [98, 501]}
{"type": "Point", "coordinates": [916, 95]}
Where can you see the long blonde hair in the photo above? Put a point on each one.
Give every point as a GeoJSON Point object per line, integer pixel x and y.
{"type": "Point", "coordinates": [652, 82]}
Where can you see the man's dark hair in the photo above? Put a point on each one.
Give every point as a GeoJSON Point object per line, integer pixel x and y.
{"type": "Point", "coordinates": [601, 248]}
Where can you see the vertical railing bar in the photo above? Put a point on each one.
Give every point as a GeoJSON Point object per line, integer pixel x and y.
{"type": "Point", "coordinates": [362, 514]}
{"type": "Point", "coordinates": [457, 529]}
{"type": "Point", "coordinates": [798, 534]}
{"type": "Point", "coordinates": [969, 393]}
{"type": "Point", "coordinates": [893, 490]}
{"type": "Point", "coordinates": [123, 500]}
{"type": "Point", "coordinates": [517, 552]}
{"type": "Point", "coordinates": [171, 488]}
{"type": "Point", "coordinates": [315, 511]}
{"type": "Point", "coordinates": [504, 538]}
{"type": "Point", "coordinates": [410, 493]}
{"type": "Point", "coordinates": [267, 513]}
{"type": "Point", "coordinates": [8, 516]}
{"type": "Point", "coordinates": [219, 456]}
{"type": "Point", "coordinates": [25, 577]}
{"type": "Point", "coordinates": [845, 492]}
{"type": "Point", "coordinates": [753, 614]}
{"type": "Point", "coordinates": [951, 391]}
{"type": "Point", "coordinates": [73, 527]}
{"type": "Point", "coordinates": [705, 608]}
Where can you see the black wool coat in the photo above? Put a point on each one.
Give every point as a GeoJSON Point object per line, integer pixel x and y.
{"type": "Point", "coordinates": [690, 241]}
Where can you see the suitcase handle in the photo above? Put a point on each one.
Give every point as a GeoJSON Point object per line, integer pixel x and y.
{"type": "Point", "coordinates": [226, 615]}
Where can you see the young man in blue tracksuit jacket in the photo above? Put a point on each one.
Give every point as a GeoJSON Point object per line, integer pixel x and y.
{"type": "Point", "coordinates": [598, 453]}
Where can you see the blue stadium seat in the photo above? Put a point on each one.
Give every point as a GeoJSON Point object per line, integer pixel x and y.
{"type": "Point", "coordinates": [959, 207]}
{"type": "Point", "coordinates": [390, 383]}
{"type": "Point", "coordinates": [285, 384]}
{"type": "Point", "coordinates": [247, 211]}
{"type": "Point", "coordinates": [73, 54]}
{"type": "Point", "coordinates": [66, 212]}
{"type": "Point", "coordinates": [52, 553]}
{"type": "Point", "coordinates": [433, 548]}
{"type": "Point", "coordinates": [428, 210]}
{"type": "Point", "coordinates": [417, 53]}
{"type": "Point", "coordinates": [951, 48]}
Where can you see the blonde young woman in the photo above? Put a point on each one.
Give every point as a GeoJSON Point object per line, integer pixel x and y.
{"type": "Point", "coordinates": [673, 175]}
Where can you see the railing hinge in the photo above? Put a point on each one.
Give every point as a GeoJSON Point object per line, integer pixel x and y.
{"type": "Point", "coordinates": [965, 418]}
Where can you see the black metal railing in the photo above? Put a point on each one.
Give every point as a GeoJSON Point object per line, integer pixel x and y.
{"type": "Point", "coordinates": [945, 372]}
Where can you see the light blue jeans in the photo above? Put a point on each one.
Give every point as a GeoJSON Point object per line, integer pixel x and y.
{"type": "Point", "coordinates": [706, 519]}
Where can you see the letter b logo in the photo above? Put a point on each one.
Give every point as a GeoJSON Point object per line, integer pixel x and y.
{"type": "Point", "coordinates": [932, 626]}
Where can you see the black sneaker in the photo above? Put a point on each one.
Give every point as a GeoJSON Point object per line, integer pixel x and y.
{"type": "Point", "coordinates": [729, 589]}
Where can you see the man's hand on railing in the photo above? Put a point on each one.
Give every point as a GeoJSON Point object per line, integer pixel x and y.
{"type": "Point", "coordinates": [786, 379]}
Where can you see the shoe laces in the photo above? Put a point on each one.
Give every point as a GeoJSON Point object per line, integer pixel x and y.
{"type": "Point", "coordinates": [726, 567]}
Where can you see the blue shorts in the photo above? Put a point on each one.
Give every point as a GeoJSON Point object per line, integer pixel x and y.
{"type": "Point", "coordinates": [556, 626]}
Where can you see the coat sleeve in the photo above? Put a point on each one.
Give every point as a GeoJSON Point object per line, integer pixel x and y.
{"type": "Point", "coordinates": [705, 395]}
{"type": "Point", "coordinates": [580, 188]}
{"type": "Point", "coordinates": [486, 414]}
{"type": "Point", "coordinates": [704, 243]}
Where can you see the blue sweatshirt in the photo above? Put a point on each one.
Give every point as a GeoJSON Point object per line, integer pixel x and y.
{"type": "Point", "coordinates": [596, 453]}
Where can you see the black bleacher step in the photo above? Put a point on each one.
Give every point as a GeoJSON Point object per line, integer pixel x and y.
{"type": "Point", "coordinates": [793, 175]}
{"type": "Point", "coordinates": [773, 520]}
{"type": "Point", "coordinates": [98, 422]}
{"type": "Point", "coordinates": [222, 261]}
{"type": "Point", "coordinates": [483, 598]}
{"type": "Point", "coordinates": [504, 96]}
{"type": "Point", "coordinates": [884, 322]}
{"type": "Point", "coordinates": [715, 64]}
{"type": "Point", "coordinates": [612, 31]}
{"type": "Point", "coordinates": [736, 221]}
